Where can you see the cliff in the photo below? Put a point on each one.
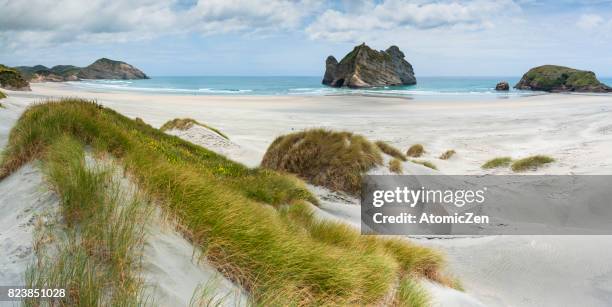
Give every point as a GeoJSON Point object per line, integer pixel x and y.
{"type": "Point", "coordinates": [552, 78]}
{"type": "Point", "coordinates": [365, 67]}
{"type": "Point", "coordinates": [11, 79]}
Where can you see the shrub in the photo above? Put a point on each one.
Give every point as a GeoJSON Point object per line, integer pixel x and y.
{"type": "Point", "coordinates": [332, 159]}
{"type": "Point", "coordinates": [447, 155]}
{"type": "Point", "coordinates": [497, 162]}
{"type": "Point", "coordinates": [186, 123]}
{"type": "Point", "coordinates": [395, 166]}
{"type": "Point", "coordinates": [415, 151]}
{"type": "Point", "coordinates": [390, 150]}
{"type": "Point", "coordinates": [425, 163]}
{"type": "Point", "coordinates": [531, 163]}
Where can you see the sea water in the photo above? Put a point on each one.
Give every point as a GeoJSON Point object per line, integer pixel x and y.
{"type": "Point", "coordinates": [283, 86]}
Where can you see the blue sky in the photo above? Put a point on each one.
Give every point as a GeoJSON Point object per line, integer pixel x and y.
{"type": "Point", "coordinates": [282, 37]}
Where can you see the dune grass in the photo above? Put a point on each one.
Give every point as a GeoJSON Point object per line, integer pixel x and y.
{"type": "Point", "coordinates": [425, 163]}
{"type": "Point", "coordinates": [186, 123]}
{"type": "Point", "coordinates": [531, 163]}
{"type": "Point", "coordinates": [2, 95]}
{"type": "Point", "coordinates": [395, 165]}
{"type": "Point", "coordinates": [390, 150]}
{"type": "Point", "coordinates": [332, 159]}
{"type": "Point", "coordinates": [415, 151]}
{"type": "Point", "coordinates": [497, 162]}
{"type": "Point", "coordinates": [236, 215]}
{"type": "Point", "coordinates": [447, 154]}
{"type": "Point", "coordinates": [410, 293]}
{"type": "Point", "coordinates": [97, 259]}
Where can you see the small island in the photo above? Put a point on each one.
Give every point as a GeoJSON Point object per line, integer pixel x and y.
{"type": "Point", "coordinates": [366, 67]}
{"type": "Point", "coordinates": [552, 78]}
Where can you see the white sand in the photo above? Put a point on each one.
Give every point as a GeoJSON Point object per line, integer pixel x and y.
{"type": "Point", "coordinates": [23, 198]}
{"type": "Point", "coordinates": [498, 271]}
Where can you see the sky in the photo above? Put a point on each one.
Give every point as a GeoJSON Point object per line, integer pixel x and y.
{"type": "Point", "coordinates": [293, 38]}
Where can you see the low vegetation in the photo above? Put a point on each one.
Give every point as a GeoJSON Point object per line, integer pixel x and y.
{"type": "Point", "coordinates": [254, 225]}
{"type": "Point", "coordinates": [97, 259]}
{"type": "Point", "coordinates": [390, 150]}
{"type": "Point", "coordinates": [425, 163]}
{"type": "Point", "coordinates": [531, 163]}
{"type": "Point", "coordinates": [395, 165]}
{"type": "Point", "coordinates": [332, 159]}
{"type": "Point", "coordinates": [415, 151]}
{"type": "Point", "coordinates": [497, 162]}
{"type": "Point", "coordinates": [186, 123]}
{"type": "Point", "coordinates": [2, 95]}
{"type": "Point", "coordinates": [447, 155]}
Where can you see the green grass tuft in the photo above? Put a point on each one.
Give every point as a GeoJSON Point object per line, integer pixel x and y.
{"type": "Point", "coordinates": [497, 162]}
{"type": "Point", "coordinates": [425, 163]}
{"type": "Point", "coordinates": [253, 225]}
{"type": "Point", "coordinates": [2, 95]}
{"type": "Point", "coordinates": [390, 150]}
{"type": "Point", "coordinates": [411, 294]}
{"type": "Point", "coordinates": [186, 123]}
{"type": "Point", "coordinates": [98, 258]}
{"type": "Point", "coordinates": [531, 163]}
{"type": "Point", "coordinates": [447, 155]}
{"type": "Point", "coordinates": [415, 151]}
{"type": "Point", "coordinates": [395, 166]}
{"type": "Point", "coordinates": [332, 159]}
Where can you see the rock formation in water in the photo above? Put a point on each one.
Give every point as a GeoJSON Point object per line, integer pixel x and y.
{"type": "Point", "coordinates": [551, 78]}
{"type": "Point", "coordinates": [502, 86]}
{"type": "Point", "coordinates": [365, 67]}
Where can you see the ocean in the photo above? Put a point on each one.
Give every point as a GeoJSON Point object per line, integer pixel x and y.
{"type": "Point", "coordinates": [224, 85]}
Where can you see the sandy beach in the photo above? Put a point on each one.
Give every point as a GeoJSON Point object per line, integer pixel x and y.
{"type": "Point", "coordinates": [496, 271]}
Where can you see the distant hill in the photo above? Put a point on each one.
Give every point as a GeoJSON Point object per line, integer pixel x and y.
{"type": "Point", "coordinates": [101, 69]}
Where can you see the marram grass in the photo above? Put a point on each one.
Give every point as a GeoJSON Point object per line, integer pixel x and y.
{"type": "Point", "coordinates": [395, 166]}
{"type": "Point", "coordinates": [235, 214]}
{"type": "Point", "coordinates": [390, 150]}
{"type": "Point", "coordinates": [96, 259]}
{"type": "Point", "coordinates": [497, 162]}
{"type": "Point", "coordinates": [531, 163]}
{"type": "Point", "coordinates": [327, 158]}
{"type": "Point", "coordinates": [186, 123]}
{"type": "Point", "coordinates": [415, 151]}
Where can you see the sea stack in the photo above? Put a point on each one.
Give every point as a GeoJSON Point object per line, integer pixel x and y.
{"type": "Point", "coordinates": [365, 67]}
{"type": "Point", "coordinates": [552, 78]}
{"type": "Point", "coordinates": [502, 86]}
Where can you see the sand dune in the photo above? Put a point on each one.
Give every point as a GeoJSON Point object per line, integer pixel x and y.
{"type": "Point", "coordinates": [496, 270]}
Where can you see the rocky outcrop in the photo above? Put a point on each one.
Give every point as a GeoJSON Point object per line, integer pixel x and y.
{"type": "Point", "coordinates": [100, 69]}
{"type": "Point", "coordinates": [365, 67]}
{"type": "Point", "coordinates": [502, 86]}
{"type": "Point", "coordinates": [551, 78]}
{"type": "Point", "coordinates": [109, 69]}
{"type": "Point", "coordinates": [11, 79]}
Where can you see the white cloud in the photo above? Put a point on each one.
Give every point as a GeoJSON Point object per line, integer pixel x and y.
{"type": "Point", "coordinates": [589, 21]}
{"type": "Point", "coordinates": [41, 23]}
{"type": "Point", "coordinates": [392, 15]}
